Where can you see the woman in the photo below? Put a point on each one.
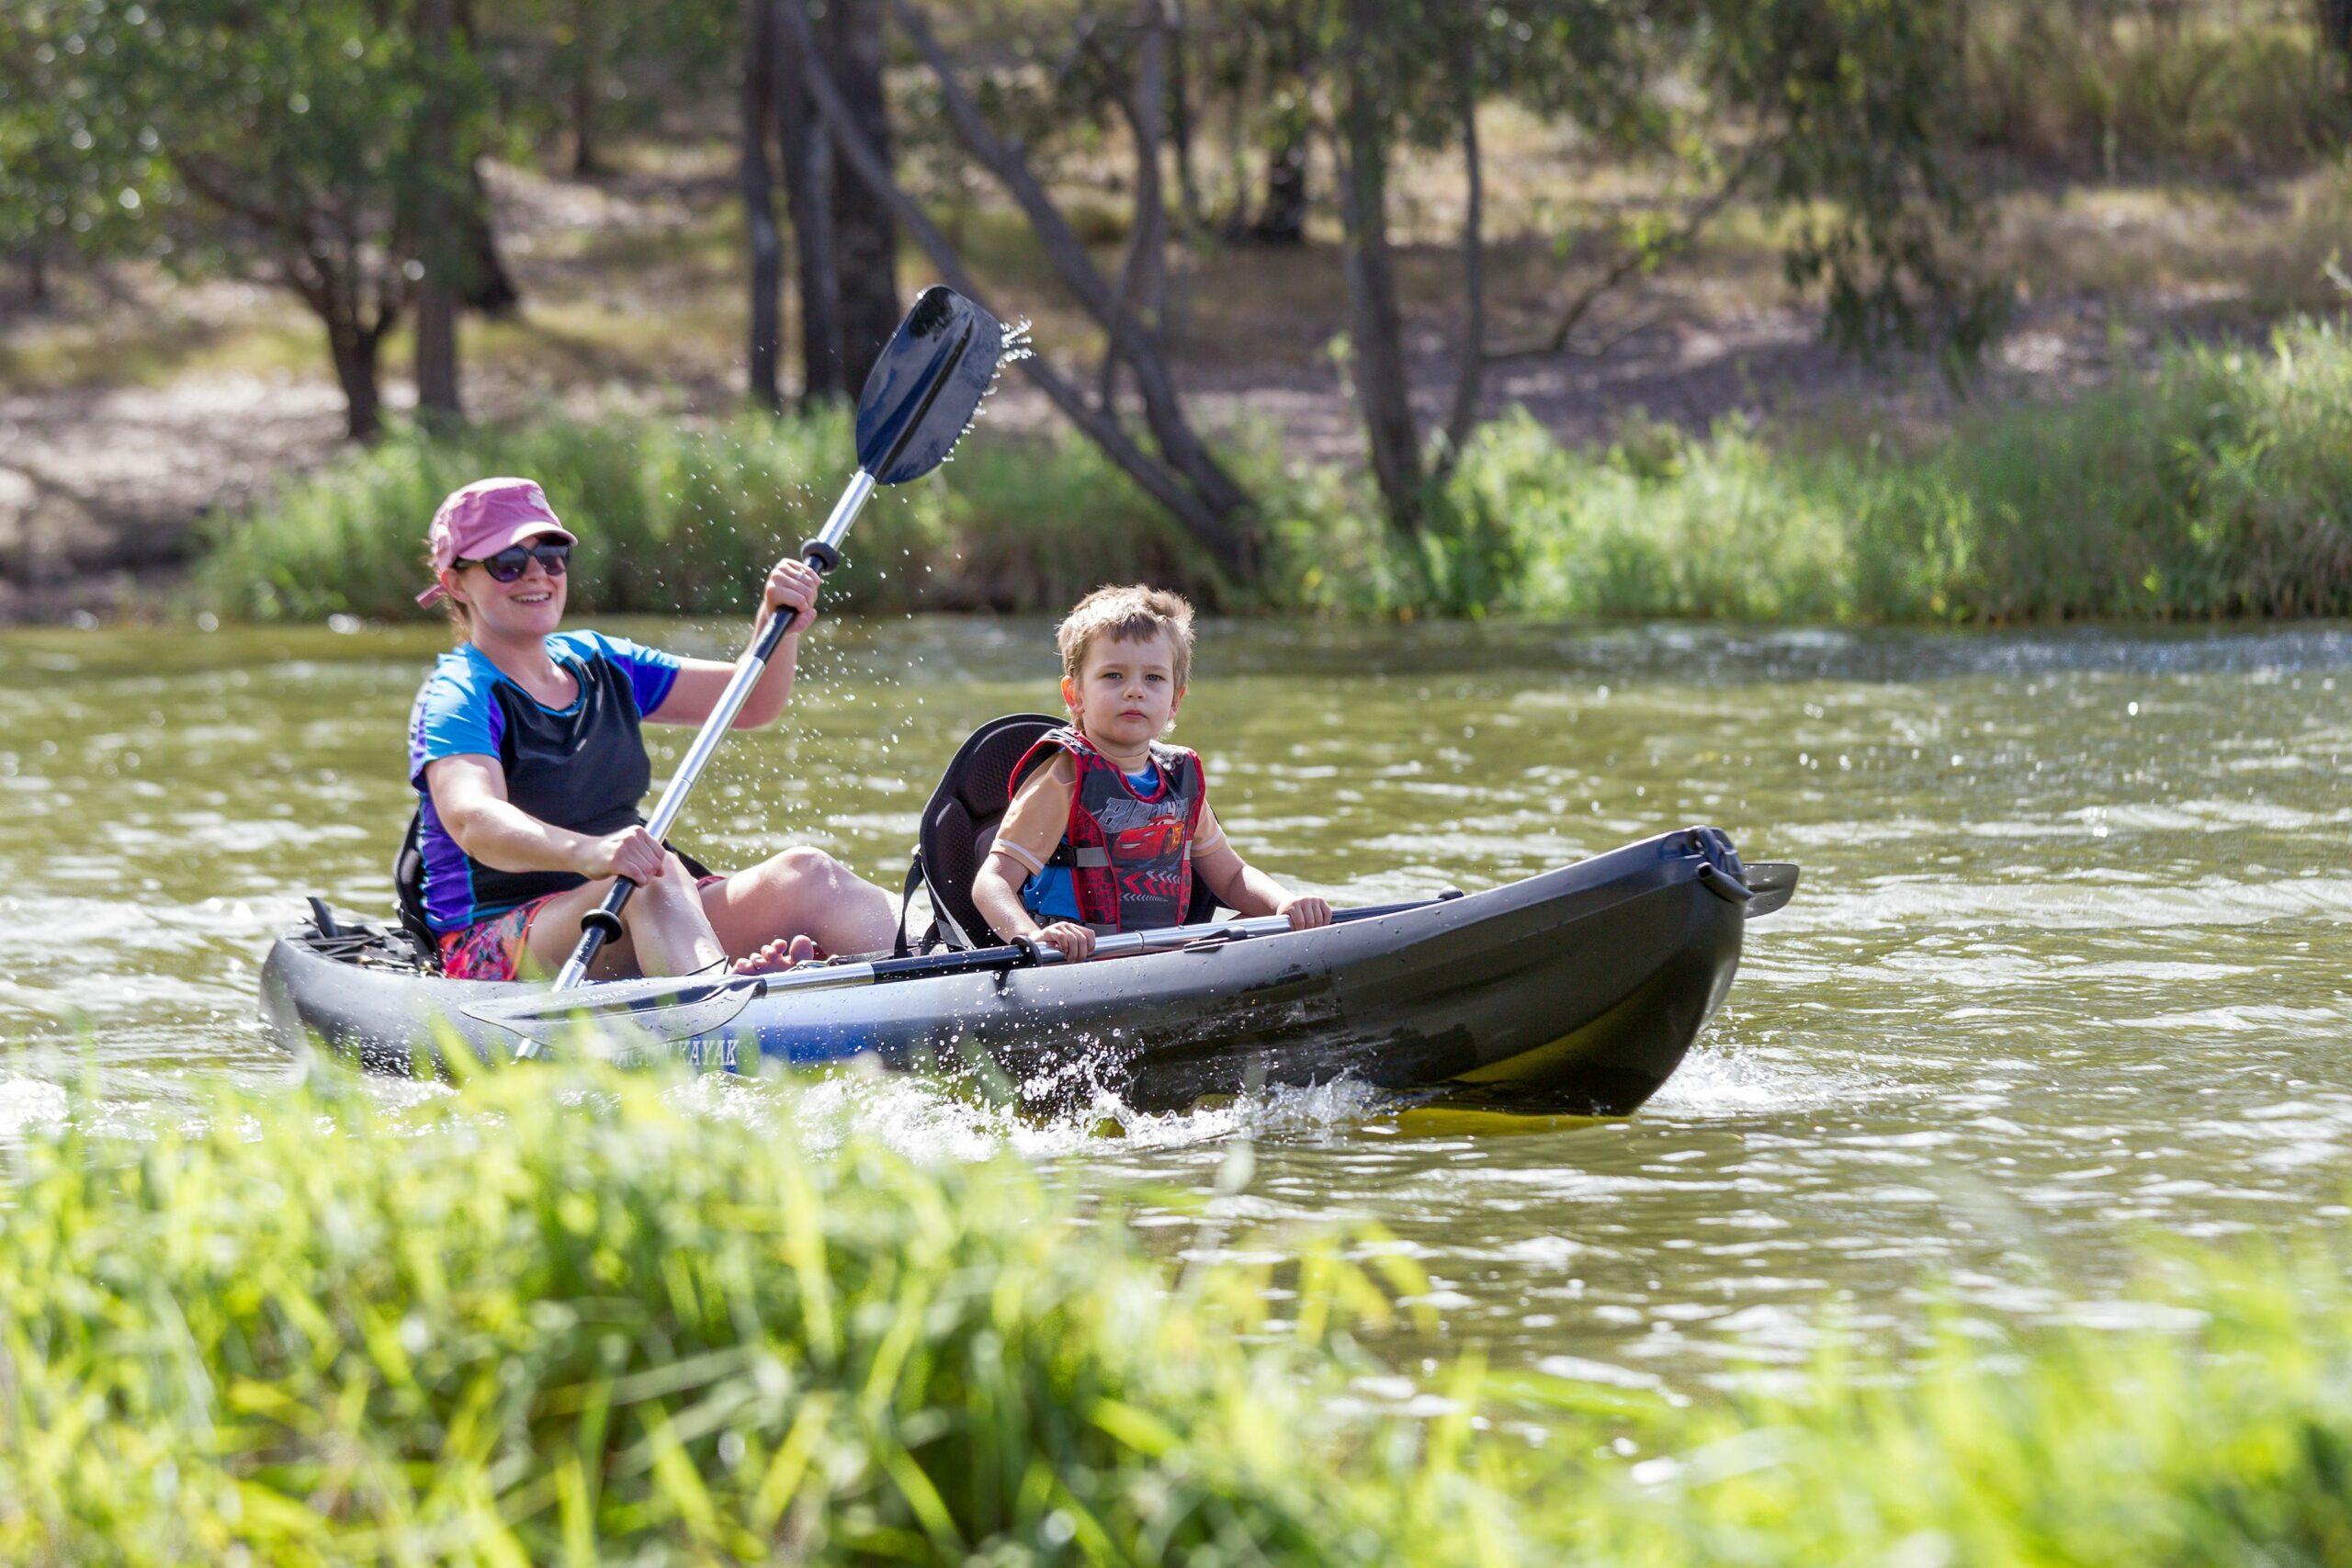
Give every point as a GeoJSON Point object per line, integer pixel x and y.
{"type": "Point", "coordinates": [523, 744]}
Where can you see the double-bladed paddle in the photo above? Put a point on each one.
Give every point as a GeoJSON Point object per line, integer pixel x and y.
{"type": "Point", "coordinates": [919, 400]}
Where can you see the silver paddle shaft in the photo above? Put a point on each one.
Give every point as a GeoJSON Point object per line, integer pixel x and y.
{"type": "Point", "coordinates": [1127, 944]}
{"type": "Point", "coordinates": [748, 671]}
{"type": "Point", "coordinates": [623, 997]}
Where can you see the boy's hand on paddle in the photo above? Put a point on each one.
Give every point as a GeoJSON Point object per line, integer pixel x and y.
{"type": "Point", "coordinates": [1305, 910]}
{"type": "Point", "coordinates": [792, 587]}
{"type": "Point", "coordinates": [632, 852]}
{"type": "Point", "coordinates": [1073, 941]}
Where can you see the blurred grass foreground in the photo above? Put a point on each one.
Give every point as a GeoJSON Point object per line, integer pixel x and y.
{"type": "Point", "coordinates": [2219, 485]}
{"type": "Point", "coordinates": [549, 1318]}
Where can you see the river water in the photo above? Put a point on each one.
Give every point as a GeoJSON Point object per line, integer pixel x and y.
{"type": "Point", "coordinates": [2067, 971]}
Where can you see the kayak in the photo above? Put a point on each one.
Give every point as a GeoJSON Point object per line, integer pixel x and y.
{"type": "Point", "coordinates": [1575, 990]}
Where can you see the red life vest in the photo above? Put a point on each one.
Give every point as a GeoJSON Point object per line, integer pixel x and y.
{"type": "Point", "coordinates": [1130, 857]}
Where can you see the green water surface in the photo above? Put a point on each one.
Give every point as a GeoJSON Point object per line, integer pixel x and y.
{"type": "Point", "coordinates": [2068, 969]}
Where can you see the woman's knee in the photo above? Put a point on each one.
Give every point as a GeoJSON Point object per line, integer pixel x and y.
{"type": "Point", "coordinates": [674, 884]}
{"type": "Point", "coordinates": [801, 864]}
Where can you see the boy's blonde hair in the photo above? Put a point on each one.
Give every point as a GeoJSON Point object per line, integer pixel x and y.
{"type": "Point", "coordinates": [1130, 613]}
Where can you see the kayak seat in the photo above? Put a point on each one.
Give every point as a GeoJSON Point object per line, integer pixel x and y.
{"type": "Point", "coordinates": [960, 823]}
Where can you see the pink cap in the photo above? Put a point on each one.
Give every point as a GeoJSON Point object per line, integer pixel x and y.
{"type": "Point", "coordinates": [483, 519]}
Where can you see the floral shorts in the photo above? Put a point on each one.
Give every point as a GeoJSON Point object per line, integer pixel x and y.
{"type": "Point", "coordinates": [492, 948]}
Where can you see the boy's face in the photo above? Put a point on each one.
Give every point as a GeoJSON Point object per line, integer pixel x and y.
{"type": "Point", "coordinates": [1126, 692]}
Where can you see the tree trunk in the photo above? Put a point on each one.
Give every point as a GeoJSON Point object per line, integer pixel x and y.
{"type": "Point", "coordinates": [865, 238]}
{"type": "Point", "coordinates": [489, 287]}
{"type": "Point", "coordinates": [1224, 532]}
{"type": "Point", "coordinates": [808, 155]}
{"type": "Point", "coordinates": [1142, 277]}
{"type": "Point", "coordinates": [757, 184]}
{"type": "Point", "coordinates": [1374, 320]}
{"type": "Point", "coordinates": [1281, 221]}
{"type": "Point", "coordinates": [355, 350]}
{"type": "Point", "coordinates": [437, 290]}
{"type": "Point", "coordinates": [1470, 362]}
{"type": "Point", "coordinates": [588, 42]}
{"type": "Point", "coordinates": [2335, 24]}
{"type": "Point", "coordinates": [1180, 117]}
{"type": "Point", "coordinates": [37, 273]}
{"type": "Point", "coordinates": [1163, 410]}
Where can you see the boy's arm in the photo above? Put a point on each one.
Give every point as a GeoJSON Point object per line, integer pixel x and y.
{"type": "Point", "coordinates": [1249, 890]}
{"type": "Point", "coordinates": [1025, 838]}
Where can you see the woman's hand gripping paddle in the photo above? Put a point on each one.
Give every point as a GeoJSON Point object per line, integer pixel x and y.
{"type": "Point", "coordinates": [919, 400]}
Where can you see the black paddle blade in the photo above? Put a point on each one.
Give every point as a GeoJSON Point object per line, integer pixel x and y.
{"type": "Point", "coordinates": [922, 394]}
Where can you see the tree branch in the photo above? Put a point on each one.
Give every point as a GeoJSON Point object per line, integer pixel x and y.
{"type": "Point", "coordinates": [1470, 369]}
{"type": "Point", "coordinates": [1157, 478]}
{"type": "Point", "coordinates": [1633, 261]}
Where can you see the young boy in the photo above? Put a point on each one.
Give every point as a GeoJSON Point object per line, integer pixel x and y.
{"type": "Point", "coordinates": [1108, 822]}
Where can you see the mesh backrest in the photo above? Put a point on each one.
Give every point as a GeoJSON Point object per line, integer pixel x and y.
{"type": "Point", "coordinates": [963, 812]}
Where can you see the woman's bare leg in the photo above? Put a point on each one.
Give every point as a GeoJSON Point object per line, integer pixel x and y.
{"type": "Point", "coordinates": [801, 892]}
{"type": "Point", "coordinates": [663, 930]}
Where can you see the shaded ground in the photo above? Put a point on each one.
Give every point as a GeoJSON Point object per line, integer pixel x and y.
{"type": "Point", "coordinates": [137, 406]}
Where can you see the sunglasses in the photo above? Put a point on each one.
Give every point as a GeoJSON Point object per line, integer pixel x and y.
{"type": "Point", "coordinates": [516, 559]}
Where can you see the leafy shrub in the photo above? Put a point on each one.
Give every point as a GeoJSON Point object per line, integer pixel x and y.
{"type": "Point", "coordinates": [677, 521]}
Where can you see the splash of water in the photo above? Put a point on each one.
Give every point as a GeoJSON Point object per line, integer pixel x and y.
{"type": "Point", "coordinates": [1016, 347]}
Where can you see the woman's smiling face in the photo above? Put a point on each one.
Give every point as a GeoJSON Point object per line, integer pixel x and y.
{"type": "Point", "coordinates": [531, 605]}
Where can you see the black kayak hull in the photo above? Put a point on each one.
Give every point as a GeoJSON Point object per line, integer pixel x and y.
{"type": "Point", "coordinates": [1577, 989]}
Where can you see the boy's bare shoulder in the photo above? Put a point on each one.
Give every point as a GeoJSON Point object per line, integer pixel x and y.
{"type": "Point", "coordinates": [1060, 768]}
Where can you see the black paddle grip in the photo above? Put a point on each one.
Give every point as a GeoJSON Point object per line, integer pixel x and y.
{"type": "Point", "coordinates": [603, 923]}
{"type": "Point", "coordinates": [818, 554]}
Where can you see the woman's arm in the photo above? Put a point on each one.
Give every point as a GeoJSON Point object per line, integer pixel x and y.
{"type": "Point", "coordinates": [700, 683]}
{"type": "Point", "coordinates": [1025, 838]}
{"type": "Point", "coordinates": [1249, 890]}
{"type": "Point", "coordinates": [470, 796]}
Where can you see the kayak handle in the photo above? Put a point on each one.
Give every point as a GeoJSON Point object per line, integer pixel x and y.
{"type": "Point", "coordinates": [1722, 884]}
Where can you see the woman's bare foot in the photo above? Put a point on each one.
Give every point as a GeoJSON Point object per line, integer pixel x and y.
{"type": "Point", "coordinates": [777, 957]}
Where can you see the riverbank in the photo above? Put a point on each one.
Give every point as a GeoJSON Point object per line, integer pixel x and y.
{"type": "Point", "coordinates": [548, 1319]}
{"type": "Point", "coordinates": [2217, 485]}
{"type": "Point", "coordinates": [139, 407]}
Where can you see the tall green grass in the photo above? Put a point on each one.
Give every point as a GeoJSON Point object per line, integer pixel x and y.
{"type": "Point", "coordinates": [564, 1318]}
{"type": "Point", "coordinates": [677, 521]}
{"type": "Point", "coordinates": [2217, 484]}
{"type": "Point", "coordinates": [2129, 86]}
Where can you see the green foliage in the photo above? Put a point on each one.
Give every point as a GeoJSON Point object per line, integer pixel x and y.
{"type": "Point", "coordinates": [2219, 485]}
{"type": "Point", "coordinates": [674, 522]}
{"type": "Point", "coordinates": [2127, 86]}
{"type": "Point", "coordinates": [79, 166]}
{"type": "Point", "coordinates": [563, 1316]}
{"type": "Point", "coordinates": [557, 1320]}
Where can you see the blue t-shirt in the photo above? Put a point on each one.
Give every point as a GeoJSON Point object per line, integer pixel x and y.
{"type": "Point", "coordinates": [581, 767]}
{"type": "Point", "coordinates": [1050, 895]}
